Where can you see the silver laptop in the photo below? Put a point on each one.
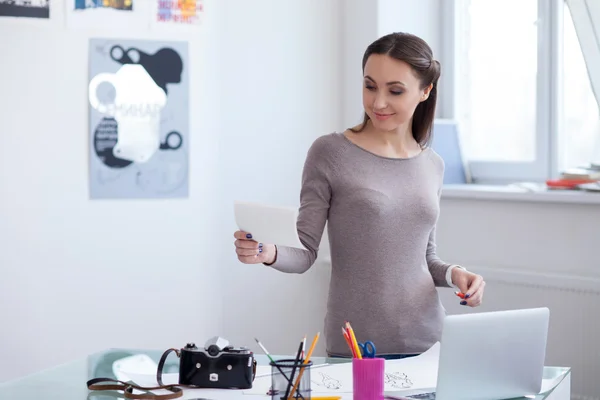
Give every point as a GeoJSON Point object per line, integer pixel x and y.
{"type": "Point", "coordinates": [491, 355]}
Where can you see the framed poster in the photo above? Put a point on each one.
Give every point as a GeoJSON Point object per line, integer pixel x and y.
{"type": "Point", "coordinates": [138, 119]}
{"type": "Point", "coordinates": [25, 8]}
{"type": "Point", "coordinates": [178, 12]}
{"type": "Point", "coordinates": [104, 14]}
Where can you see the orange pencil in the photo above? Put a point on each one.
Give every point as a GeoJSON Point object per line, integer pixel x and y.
{"type": "Point", "coordinates": [347, 337]}
{"type": "Point", "coordinates": [354, 342]}
{"type": "Point", "coordinates": [306, 360]}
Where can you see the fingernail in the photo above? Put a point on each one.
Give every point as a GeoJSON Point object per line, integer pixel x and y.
{"type": "Point", "coordinates": [260, 249]}
{"type": "Point", "coordinates": [463, 303]}
{"type": "Point", "coordinates": [249, 236]}
{"type": "Point", "coordinates": [467, 296]}
{"type": "Point", "coordinates": [260, 245]}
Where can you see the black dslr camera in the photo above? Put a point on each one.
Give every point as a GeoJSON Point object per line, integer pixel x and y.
{"type": "Point", "coordinates": [218, 365]}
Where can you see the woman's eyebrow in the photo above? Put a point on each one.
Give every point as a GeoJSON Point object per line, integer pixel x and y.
{"type": "Point", "coordinates": [389, 83]}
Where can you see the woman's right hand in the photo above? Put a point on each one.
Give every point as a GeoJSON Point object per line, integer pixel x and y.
{"type": "Point", "coordinates": [249, 251]}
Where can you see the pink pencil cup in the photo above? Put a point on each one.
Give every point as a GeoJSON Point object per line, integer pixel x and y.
{"type": "Point", "coordinates": [368, 378]}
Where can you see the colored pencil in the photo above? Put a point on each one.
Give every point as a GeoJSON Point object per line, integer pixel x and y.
{"type": "Point", "coordinates": [327, 398]}
{"type": "Point", "coordinates": [265, 350]}
{"type": "Point", "coordinates": [354, 342]}
{"type": "Point", "coordinates": [273, 361]}
{"type": "Point", "coordinates": [347, 338]}
{"type": "Point", "coordinates": [306, 361]}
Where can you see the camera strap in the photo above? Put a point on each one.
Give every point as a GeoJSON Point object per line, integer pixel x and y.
{"type": "Point", "coordinates": [99, 384]}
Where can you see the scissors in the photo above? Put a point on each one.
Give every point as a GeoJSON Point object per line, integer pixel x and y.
{"type": "Point", "coordinates": [367, 349]}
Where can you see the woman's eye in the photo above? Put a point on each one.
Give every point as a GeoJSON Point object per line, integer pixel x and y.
{"type": "Point", "coordinates": [370, 87]}
{"type": "Point", "coordinates": [395, 93]}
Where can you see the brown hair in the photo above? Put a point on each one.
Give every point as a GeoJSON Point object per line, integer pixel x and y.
{"type": "Point", "coordinates": [415, 52]}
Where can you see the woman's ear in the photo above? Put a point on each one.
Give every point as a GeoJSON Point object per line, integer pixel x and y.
{"type": "Point", "coordinates": [426, 92]}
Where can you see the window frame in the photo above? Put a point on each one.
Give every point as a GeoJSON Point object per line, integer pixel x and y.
{"type": "Point", "coordinates": [549, 121]}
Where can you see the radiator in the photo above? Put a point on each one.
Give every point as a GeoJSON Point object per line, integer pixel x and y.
{"type": "Point", "coordinates": [574, 303]}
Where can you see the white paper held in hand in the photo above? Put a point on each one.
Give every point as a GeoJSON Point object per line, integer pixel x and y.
{"type": "Point", "coordinates": [268, 224]}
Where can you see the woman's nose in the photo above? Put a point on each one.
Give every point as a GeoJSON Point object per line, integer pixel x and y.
{"type": "Point", "coordinates": [380, 102]}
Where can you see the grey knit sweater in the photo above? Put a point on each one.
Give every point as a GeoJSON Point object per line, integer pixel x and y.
{"type": "Point", "coordinates": [381, 215]}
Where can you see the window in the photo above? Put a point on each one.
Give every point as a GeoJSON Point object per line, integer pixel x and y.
{"type": "Point", "coordinates": [581, 142]}
{"type": "Point", "coordinates": [521, 91]}
{"type": "Point", "coordinates": [499, 73]}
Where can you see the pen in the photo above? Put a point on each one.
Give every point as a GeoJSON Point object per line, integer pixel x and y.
{"type": "Point", "coordinates": [459, 294]}
{"type": "Point", "coordinates": [304, 347]}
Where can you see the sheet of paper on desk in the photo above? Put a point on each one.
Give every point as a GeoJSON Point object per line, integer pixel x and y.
{"type": "Point", "coordinates": [550, 383]}
{"type": "Point", "coordinates": [268, 224]}
{"type": "Point", "coordinates": [412, 373]}
{"type": "Point", "coordinates": [262, 382]}
{"type": "Point", "coordinates": [148, 380]}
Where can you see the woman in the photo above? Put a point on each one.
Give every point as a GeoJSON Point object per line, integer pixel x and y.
{"type": "Point", "coordinates": [378, 185]}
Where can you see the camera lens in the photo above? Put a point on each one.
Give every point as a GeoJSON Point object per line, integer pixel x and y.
{"type": "Point", "coordinates": [213, 350]}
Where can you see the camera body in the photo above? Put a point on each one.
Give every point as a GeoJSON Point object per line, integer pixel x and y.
{"type": "Point", "coordinates": [217, 366]}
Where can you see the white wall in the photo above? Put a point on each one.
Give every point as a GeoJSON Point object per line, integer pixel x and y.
{"type": "Point", "coordinates": [79, 276]}
{"type": "Point", "coordinates": [286, 94]}
{"type": "Point", "coordinates": [263, 87]}
{"type": "Point", "coordinates": [534, 255]}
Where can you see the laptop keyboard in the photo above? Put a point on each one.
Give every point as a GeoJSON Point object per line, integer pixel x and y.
{"type": "Point", "coordinates": [423, 396]}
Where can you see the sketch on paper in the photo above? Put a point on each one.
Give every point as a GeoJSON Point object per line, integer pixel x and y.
{"type": "Point", "coordinates": [397, 380]}
{"type": "Point", "coordinates": [185, 12]}
{"type": "Point", "coordinates": [138, 104]}
{"type": "Point", "coordinates": [326, 381]}
{"type": "Point", "coordinates": [25, 8]}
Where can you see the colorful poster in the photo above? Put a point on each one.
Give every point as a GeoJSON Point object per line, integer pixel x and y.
{"type": "Point", "coordinates": [104, 14]}
{"type": "Point", "coordinates": [25, 8]}
{"type": "Point", "coordinates": [139, 119]}
{"type": "Point", "coordinates": [183, 12]}
{"type": "Point", "coordinates": [116, 4]}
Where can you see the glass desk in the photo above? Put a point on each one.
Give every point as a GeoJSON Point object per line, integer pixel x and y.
{"type": "Point", "coordinates": [68, 381]}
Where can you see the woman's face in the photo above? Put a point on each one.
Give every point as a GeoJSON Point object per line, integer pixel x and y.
{"type": "Point", "coordinates": [391, 92]}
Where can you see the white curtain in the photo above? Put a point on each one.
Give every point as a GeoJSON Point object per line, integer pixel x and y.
{"type": "Point", "coordinates": [586, 19]}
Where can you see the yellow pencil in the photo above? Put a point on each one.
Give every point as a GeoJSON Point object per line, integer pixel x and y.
{"type": "Point", "coordinates": [306, 360]}
{"type": "Point", "coordinates": [354, 342]}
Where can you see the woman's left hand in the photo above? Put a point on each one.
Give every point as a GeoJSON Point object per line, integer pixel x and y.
{"type": "Point", "coordinates": [471, 285]}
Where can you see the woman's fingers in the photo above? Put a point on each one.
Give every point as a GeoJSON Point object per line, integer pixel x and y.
{"type": "Point", "coordinates": [242, 235]}
{"type": "Point", "coordinates": [248, 251]}
{"type": "Point", "coordinates": [475, 299]}
{"type": "Point", "coordinates": [247, 244]}
{"type": "Point", "coordinates": [474, 286]}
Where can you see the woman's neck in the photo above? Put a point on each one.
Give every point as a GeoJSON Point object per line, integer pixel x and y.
{"type": "Point", "coordinates": [401, 140]}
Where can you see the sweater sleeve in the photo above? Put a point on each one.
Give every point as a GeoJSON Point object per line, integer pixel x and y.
{"type": "Point", "coordinates": [315, 195]}
{"type": "Point", "coordinates": [437, 267]}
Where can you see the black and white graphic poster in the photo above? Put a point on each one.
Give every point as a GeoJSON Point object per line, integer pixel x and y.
{"type": "Point", "coordinates": [25, 8]}
{"type": "Point", "coordinates": [139, 119]}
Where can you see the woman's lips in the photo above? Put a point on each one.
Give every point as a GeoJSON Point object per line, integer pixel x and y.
{"type": "Point", "coordinates": [382, 117]}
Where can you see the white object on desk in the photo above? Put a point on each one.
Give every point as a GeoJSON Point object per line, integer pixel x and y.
{"type": "Point", "coordinates": [416, 373]}
{"type": "Point", "coordinates": [492, 355]}
{"type": "Point", "coordinates": [268, 224]}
